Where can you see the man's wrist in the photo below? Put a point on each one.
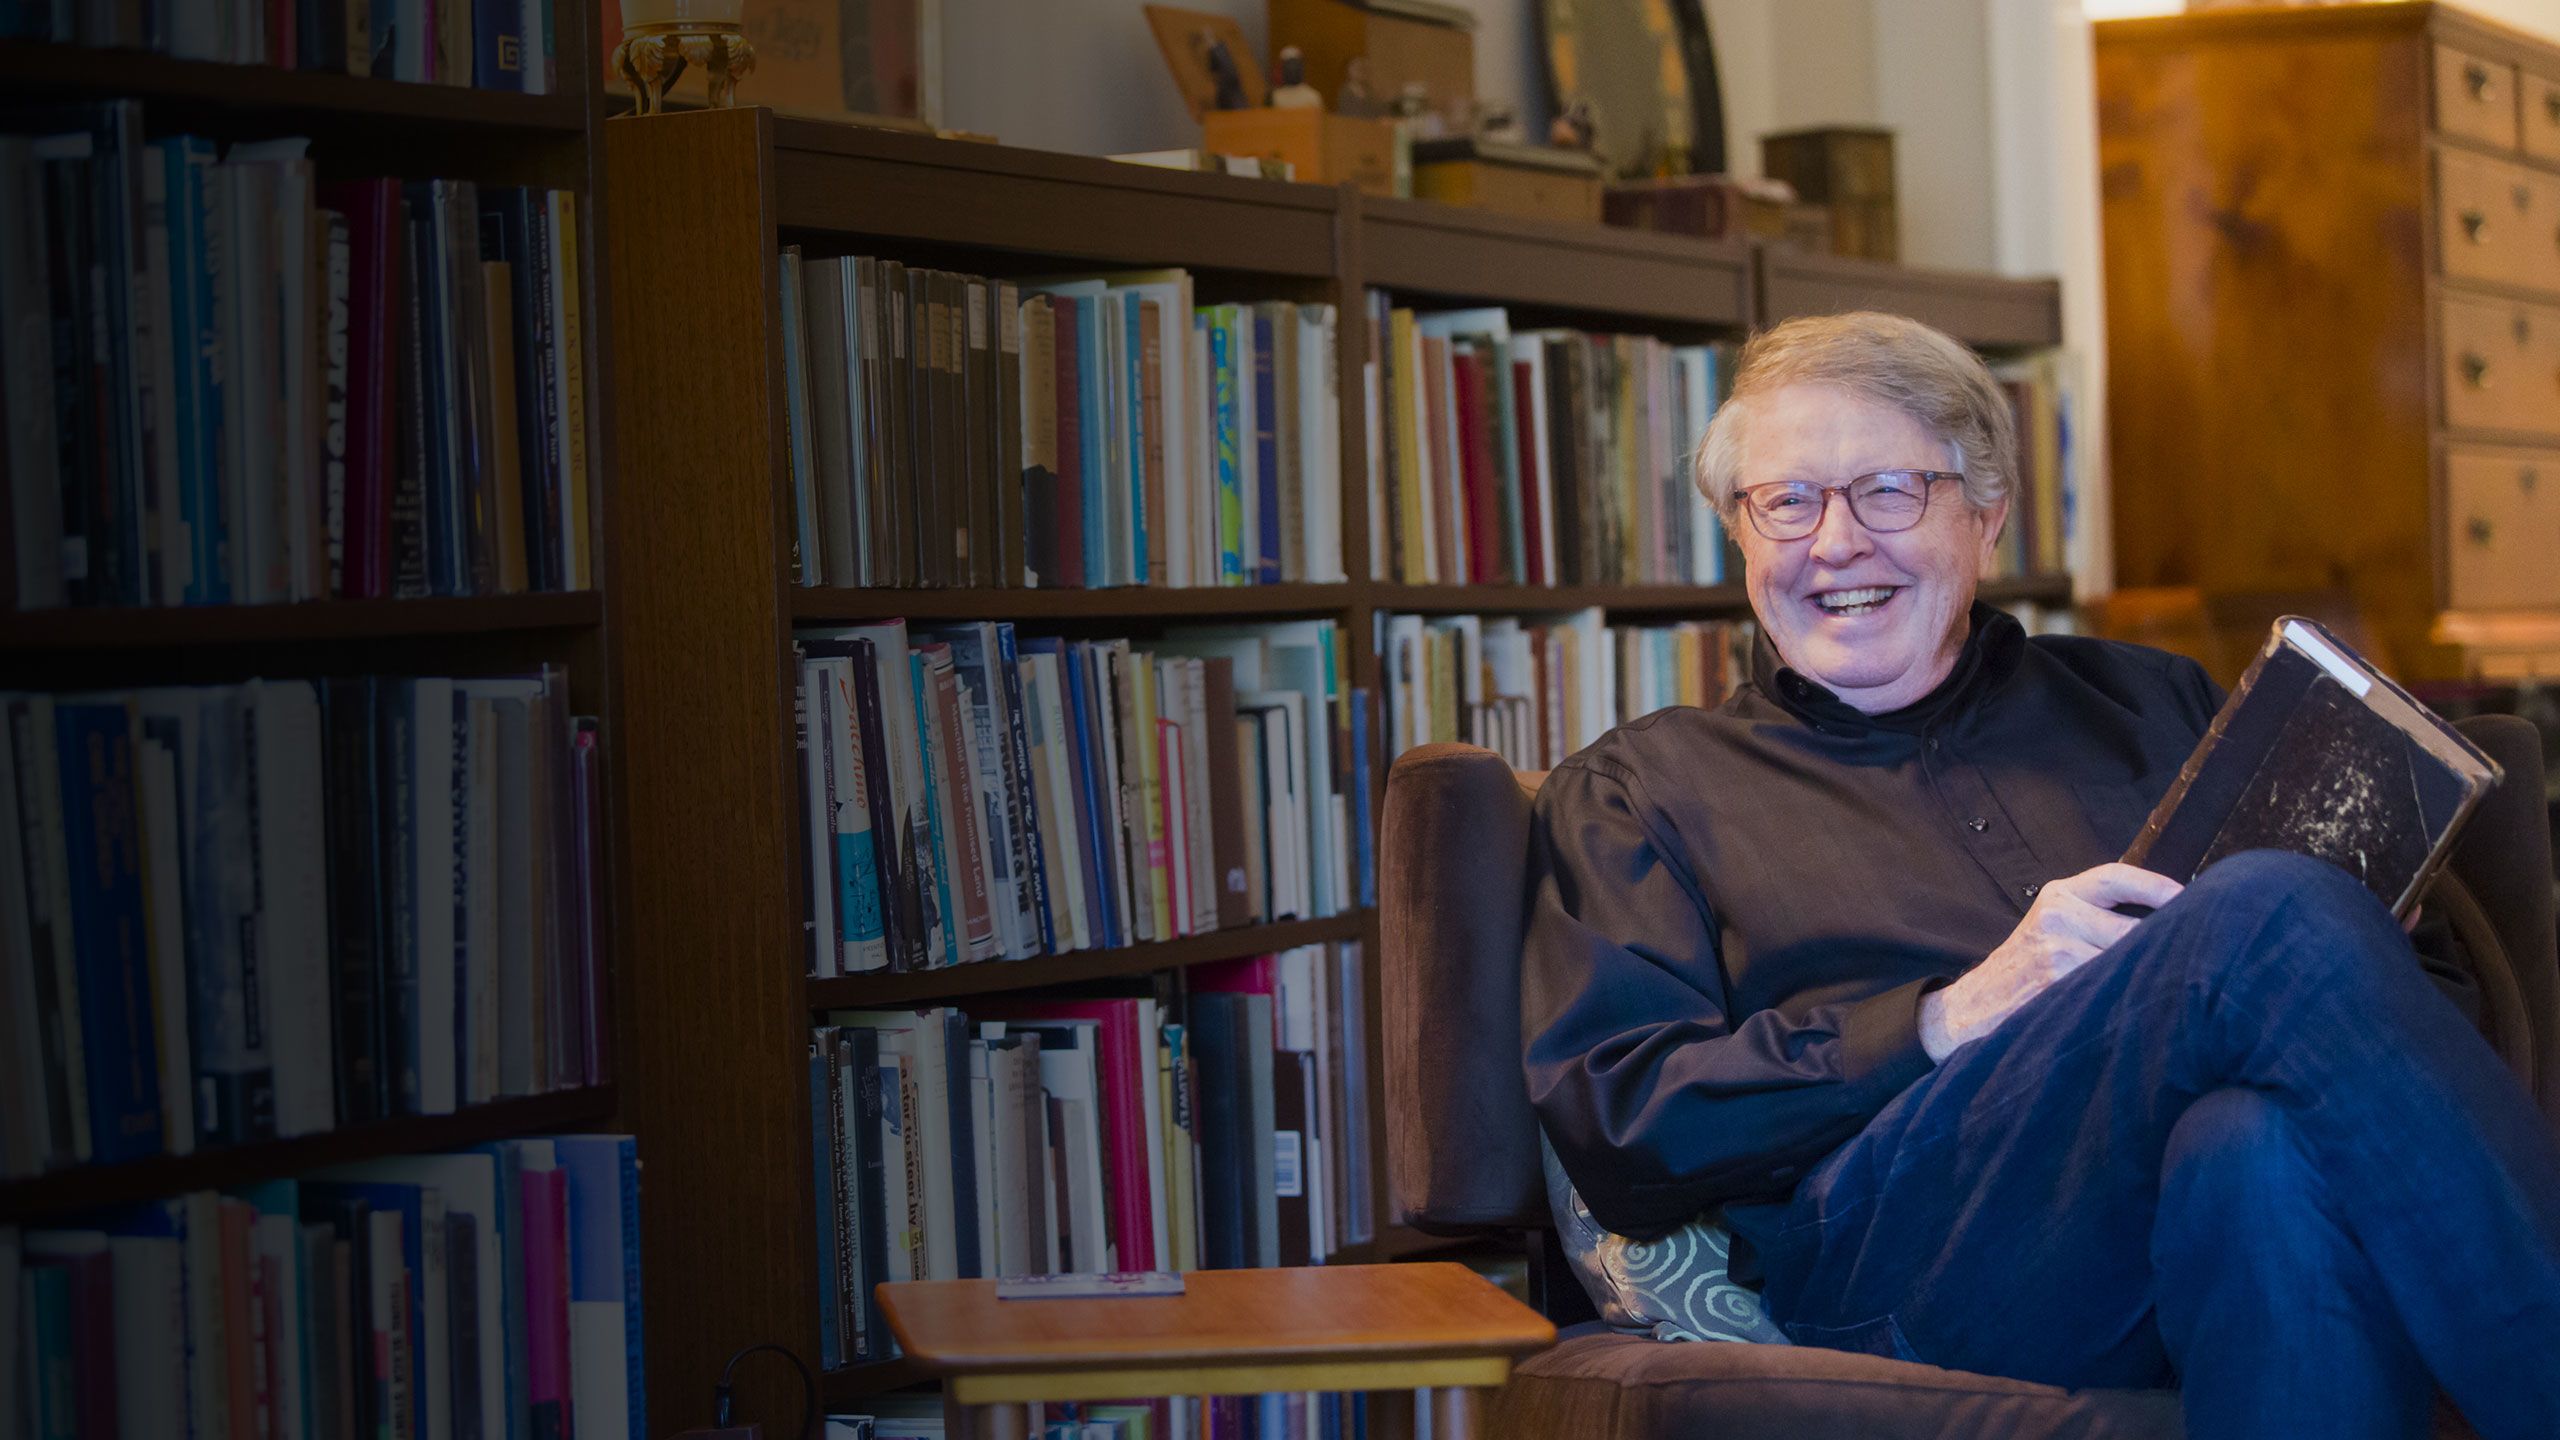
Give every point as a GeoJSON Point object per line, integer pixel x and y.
{"type": "Point", "coordinates": [1937, 1033]}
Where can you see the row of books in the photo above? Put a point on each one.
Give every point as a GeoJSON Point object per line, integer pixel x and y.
{"type": "Point", "coordinates": [1536, 690]}
{"type": "Point", "coordinates": [1293, 1415]}
{"type": "Point", "coordinates": [229, 383]}
{"type": "Point", "coordinates": [1222, 1126]}
{"type": "Point", "coordinates": [2042, 515]}
{"type": "Point", "coordinates": [257, 911]}
{"type": "Point", "coordinates": [973, 795]}
{"type": "Point", "coordinates": [951, 429]}
{"type": "Point", "coordinates": [492, 1293]}
{"type": "Point", "coordinates": [490, 44]}
{"type": "Point", "coordinates": [1536, 457]}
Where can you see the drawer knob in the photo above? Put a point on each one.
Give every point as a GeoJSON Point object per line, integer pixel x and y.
{"type": "Point", "coordinates": [2475, 223]}
{"type": "Point", "coordinates": [2524, 199]}
{"type": "Point", "coordinates": [2527, 478]}
{"type": "Point", "coordinates": [2480, 530]}
{"type": "Point", "coordinates": [2551, 105]}
{"type": "Point", "coordinates": [2475, 370]}
{"type": "Point", "coordinates": [2476, 76]}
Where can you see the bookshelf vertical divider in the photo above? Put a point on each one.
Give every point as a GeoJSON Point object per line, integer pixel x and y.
{"type": "Point", "coordinates": [715, 1023]}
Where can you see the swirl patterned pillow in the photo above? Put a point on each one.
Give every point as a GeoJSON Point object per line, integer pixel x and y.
{"type": "Point", "coordinates": [1674, 1288]}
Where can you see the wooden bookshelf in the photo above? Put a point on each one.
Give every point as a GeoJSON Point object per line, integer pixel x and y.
{"type": "Point", "coordinates": [701, 614]}
{"type": "Point", "coordinates": [1987, 312]}
{"type": "Point", "coordinates": [98, 1187]}
{"type": "Point", "coordinates": [359, 127]}
{"type": "Point", "coordinates": [935, 987]}
{"type": "Point", "coordinates": [161, 627]}
{"type": "Point", "coordinates": [193, 90]}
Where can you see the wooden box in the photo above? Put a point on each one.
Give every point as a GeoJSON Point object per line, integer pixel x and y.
{"type": "Point", "coordinates": [1849, 170]}
{"type": "Point", "coordinates": [1530, 180]}
{"type": "Point", "coordinates": [1709, 207]}
{"type": "Point", "coordinates": [1400, 49]}
{"type": "Point", "coordinates": [1322, 149]}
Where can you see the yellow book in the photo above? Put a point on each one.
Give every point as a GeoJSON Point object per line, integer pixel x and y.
{"type": "Point", "coordinates": [1159, 894]}
{"type": "Point", "coordinates": [1412, 507]}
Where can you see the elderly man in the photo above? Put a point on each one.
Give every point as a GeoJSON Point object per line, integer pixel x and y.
{"type": "Point", "coordinates": [1842, 961]}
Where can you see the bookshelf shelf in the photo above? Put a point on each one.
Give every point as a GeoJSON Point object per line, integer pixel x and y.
{"type": "Point", "coordinates": [928, 987]}
{"type": "Point", "coordinates": [96, 1187]}
{"type": "Point", "coordinates": [2029, 589]}
{"type": "Point", "coordinates": [67, 72]}
{"type": "Point", "coordinates": [1985, 311]}
{"type": "Point", "coordinates": [1419, 247]}
{"type": "Point", "coordinates": [834, 178]}
{"type": "Point", "coordinates": [172, 626]}
{"type": "Point", "coordinates": [1709, 601]}
{"type": "Point", "coordinates": [1128, 601]}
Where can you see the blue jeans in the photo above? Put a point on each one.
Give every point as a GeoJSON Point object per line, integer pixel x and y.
{"type": "Point", "coordinates": [2249, 1151]}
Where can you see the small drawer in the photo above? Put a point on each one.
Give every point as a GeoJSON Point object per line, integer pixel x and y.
{"type": "Point", "coordinates": [2497, 221]}
{"type": "Point", "coordinates": [2500, 365]}
{"type": "Point", "coordinates": [2502, 529]}
{"type": "Point", "coordinates": [2475, 98]}
{"type": "Point", "coordinates": [2541, 102]}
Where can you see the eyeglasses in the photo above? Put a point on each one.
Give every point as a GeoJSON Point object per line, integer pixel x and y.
{"type": "Point", "coordinates": [1884, 502]}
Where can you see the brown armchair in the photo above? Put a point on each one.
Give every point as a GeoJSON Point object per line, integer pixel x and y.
{"type": "Point", "coordinates": [1463, 1145]}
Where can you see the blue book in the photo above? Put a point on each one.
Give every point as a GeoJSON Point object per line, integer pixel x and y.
{"type": "Point", "coordinates": [604, 1276]}
{"type": "Point", "coordinates": [51, 1381]}
{"type": "Point", "coordinates": [1230, 495]}
{"type": "Point", "coordinates": [194, 209]}
{"type": "Point", "coordinates": [102, 832]}
{"type": "Point", "coordinates": [1213, 1021]}
{"type": "Point", "coordinates": [1093, 810]}
{"type": "Point", "coordinates": [964, 1142]}
{"type": "Point", "coordinates": [1092, 414]}
{"type": "Point", "coordinates": [1367, 878]}
{"type": "Point", "coordinates": [509, 1161]}
{"type": "Point", "coordinates": [1266, 450]}
{"type": "Point", "coordinates": [919, 679]}
{"type": "Point", "coordinates": [431, 306]}
{"type": "Point", "coordinates": [1035, 859]}
{"type": "Point", "coordinates": [497, 44]}
{"type": "Point", "coordinates": [827, 1151]}
{"type": "Point", "coordinates": [1133, 346]}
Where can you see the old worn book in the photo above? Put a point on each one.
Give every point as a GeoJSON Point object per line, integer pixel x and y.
{"type": "Point", "coordinates": [2318, 753]}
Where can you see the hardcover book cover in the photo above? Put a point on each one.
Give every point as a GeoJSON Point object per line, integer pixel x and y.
{"type": "Point", "coordinates": [2318, 753]}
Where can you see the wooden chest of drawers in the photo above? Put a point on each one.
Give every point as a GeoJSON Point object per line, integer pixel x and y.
{"type": "Point", "coordinates": [2333, 312]}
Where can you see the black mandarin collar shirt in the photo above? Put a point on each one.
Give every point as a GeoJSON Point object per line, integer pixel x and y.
{"type": "Point", "coordinates": [1735, 912]}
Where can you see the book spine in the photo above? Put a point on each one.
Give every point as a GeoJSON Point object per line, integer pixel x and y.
{"type": "Point", "coordinates": [1035, 859]}
{"type": "Point", "coordinates": [1266, 443]}
{"type": "Point", "coordinates": [101, 835]}
{"type": "Point", "coordinates": [498, 44]}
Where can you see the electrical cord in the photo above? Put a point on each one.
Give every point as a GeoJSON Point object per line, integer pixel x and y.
{"type": "Point", "coordinates": [722, 1396]}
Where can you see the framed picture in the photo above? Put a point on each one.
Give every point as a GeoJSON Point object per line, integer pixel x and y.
{"type": "Point", "coordinates": [829, 59]}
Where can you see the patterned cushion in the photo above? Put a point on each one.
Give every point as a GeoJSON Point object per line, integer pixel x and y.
{"type": "Point", "coordinates": [1674, 1288]}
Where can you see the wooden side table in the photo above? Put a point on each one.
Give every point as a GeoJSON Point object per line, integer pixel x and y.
{"type": "Point", "coordinates": [1437, 1326]}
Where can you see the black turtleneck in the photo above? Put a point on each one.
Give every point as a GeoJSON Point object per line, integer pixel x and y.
{"type": "Point", "coordinates": [1736, 911]}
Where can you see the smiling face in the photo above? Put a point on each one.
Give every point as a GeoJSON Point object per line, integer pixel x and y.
{"type": "Point", "coordinates": [1876, 619]}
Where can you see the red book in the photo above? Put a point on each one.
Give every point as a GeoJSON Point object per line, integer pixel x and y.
{"type": "Point", "coordinates": [545, 1203]}
{"type": "Point", "coordinates": [1533, 467]}
{"type": "Point", "coordinates": [1475, 467]}
{"type": "Point", "coordinates": [374, 229]}
{"type": "Point", "coordinates": [1071, 318]}
{"type": "Point", "coordinates": [1127, 1059]}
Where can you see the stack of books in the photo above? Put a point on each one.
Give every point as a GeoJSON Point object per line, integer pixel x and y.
{"type": "Point", "coordinates": [1536, 457]}
{"type": "Point", "coordinates": [1537, 690]}
{"type": "Point", "coordinates": [975, 795]}
{"type": "Point", "coordinates": [257, 911]}
{"type": "Point", "coordinates": [230, 383]}
{"type": "Point", "coordinates": [950, 429]}
{"type": "Point", "coordinates": [1221, 1127]}
{"type": "Point", "coordinates": [494, 1292]}
{"type": "Point", "coordinates": [2044, 504]}
{"type": "Point", "coordinates": [490, 44]}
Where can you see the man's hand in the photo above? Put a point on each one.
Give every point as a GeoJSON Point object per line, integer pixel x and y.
{"type": "Point", "coordinates": [2070, 922]}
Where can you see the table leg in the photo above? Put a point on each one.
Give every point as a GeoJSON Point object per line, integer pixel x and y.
{"type": "Point", "coordinates": [1455, 1411]}
{"type": "Point", "coordinates": [981, 1422]}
